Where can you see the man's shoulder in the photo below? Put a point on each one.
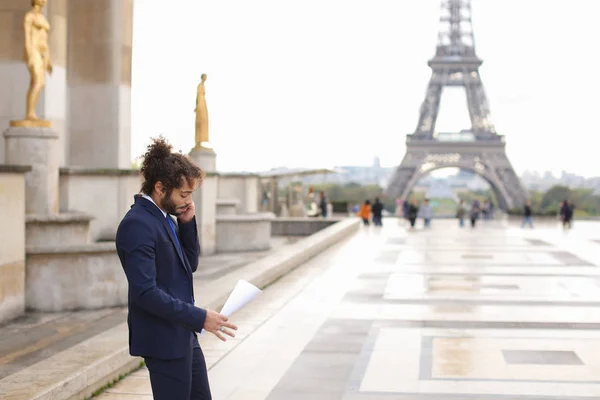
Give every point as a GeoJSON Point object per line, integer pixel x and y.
{"type": "Point", "coordinates": [137, 219]}
{"type": "Point", "coordinates": [138, 212]}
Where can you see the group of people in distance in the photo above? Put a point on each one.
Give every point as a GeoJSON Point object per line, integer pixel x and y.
{"type": "Point", "coordinates": [371, 212]}
{"type": "Point", "coordinates": [411, 211]}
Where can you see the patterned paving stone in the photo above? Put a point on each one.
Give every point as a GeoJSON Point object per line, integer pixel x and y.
{"type": "Point", "coordinates": [538, 242]}
{"type": "Point", "coordinates": [494, 313]}
{"type": "Point", "coordinates": [569, 258]}
{"type": "Point", "coordinates": [387, 257]}
{"type": "Point", "coordinates": [541, 357]}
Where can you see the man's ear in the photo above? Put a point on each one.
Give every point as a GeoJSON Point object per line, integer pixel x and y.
{"type": "Point", "coordinates": [159, 187]}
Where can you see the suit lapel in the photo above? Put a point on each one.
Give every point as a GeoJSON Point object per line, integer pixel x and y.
{"type": "Point", "coordinates": [154, 210]}
{"type": "Point", "coordinates": [174, 240]}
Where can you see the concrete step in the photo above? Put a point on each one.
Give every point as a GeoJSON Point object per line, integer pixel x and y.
{"type": "Point", "coordinates": [74, 277]}
{"type": "Point", "coordinates": [88, 365]}
{"type": "Point", "coordinates": [64, 228]}
{"type": "Point", "coordinates": [37, 336]}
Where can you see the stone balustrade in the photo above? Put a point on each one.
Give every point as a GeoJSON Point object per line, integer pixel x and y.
{"type": "Point", "coordinates": [244, 232]}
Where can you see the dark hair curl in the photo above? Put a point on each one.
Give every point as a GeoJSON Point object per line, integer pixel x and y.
{"type": "Point", "coordinates": [161, 164]}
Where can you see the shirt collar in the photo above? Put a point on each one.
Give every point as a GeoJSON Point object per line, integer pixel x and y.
{"type": "Point", "coordinates": [145, 196]}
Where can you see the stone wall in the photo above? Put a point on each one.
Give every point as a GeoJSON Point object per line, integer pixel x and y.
{"type": "Point", "coordinates": [12, 242]}
{"type": "Point", "coordinates": [299, 226]}
{"type": "Point", "coordinates": [244, 187]}
{"type": "Point", "coordinates": [105, 194]}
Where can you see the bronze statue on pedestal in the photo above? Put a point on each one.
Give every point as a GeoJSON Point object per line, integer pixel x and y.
{"type": "Point", "coordinates": [38, 61]}
{"type": "Point", "coordinates": [201, 115]}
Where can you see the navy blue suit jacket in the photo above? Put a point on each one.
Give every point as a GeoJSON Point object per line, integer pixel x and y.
{"type": "Point", "coordinates": [161, 293]}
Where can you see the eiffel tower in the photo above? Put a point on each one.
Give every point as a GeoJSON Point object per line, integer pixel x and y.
{"type": "Point", "coordinates": [479, 149]}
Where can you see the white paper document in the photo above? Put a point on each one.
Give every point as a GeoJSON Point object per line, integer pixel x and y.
{"type": "Point", "coordinates": [243, 293]}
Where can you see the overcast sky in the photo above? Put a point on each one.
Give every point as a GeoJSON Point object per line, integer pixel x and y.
{"type": "Point", "coordinates": [318, 83]}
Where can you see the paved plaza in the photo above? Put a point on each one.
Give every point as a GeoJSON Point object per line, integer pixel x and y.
{"type": "Point", "coordinates": [495, 312]}
{"type": "Point", "coordinates": [37, 336]}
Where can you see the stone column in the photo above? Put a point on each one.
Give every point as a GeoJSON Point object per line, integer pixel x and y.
{"type": "Point", "coordinates": [14, 77]}
{"type": "Point", "coordinates": [36, 147]}
{"type": "Point", "coordinates": [99, 81]}
{"type": "Point", "coordinates": [205, 158]}
{"type": "Point", "coordinates": [253, 194]}
{"type": "Point", "coordinates": [205, 199]}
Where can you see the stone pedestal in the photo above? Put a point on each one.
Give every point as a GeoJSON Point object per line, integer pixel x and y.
{"type": "Point", "coordinates": [244, 232]}
{"type": "Point", "coordinates": [206, 206]}
{"type": "Point", "coordinates": [37, 147]}
{"type": "Point", "coordinates": [227, 206]}
{"type": "Point", "coordinates": [206, 199]}
{"type": "Point", "coordinates": [206, 159]}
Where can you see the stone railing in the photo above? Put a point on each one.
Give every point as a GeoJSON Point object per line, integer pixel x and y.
{"type": "Point", "coordinates": [300, 226]}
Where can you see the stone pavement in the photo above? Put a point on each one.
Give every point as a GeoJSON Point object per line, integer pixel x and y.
{"type": "Point", "coordinates": [495, 312]}
{"type": "Point", "coordinates": [37, 336]}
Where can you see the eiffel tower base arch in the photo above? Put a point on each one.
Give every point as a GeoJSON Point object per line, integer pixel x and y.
{"type": "Point", "coordinates": [488, 160]}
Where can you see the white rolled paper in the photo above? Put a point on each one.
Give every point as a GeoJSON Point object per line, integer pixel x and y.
{"type": "Point", "coordinates": [243, 293]}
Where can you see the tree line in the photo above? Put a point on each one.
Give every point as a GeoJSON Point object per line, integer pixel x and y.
{"type": "Point", "coordinates": [343, 197]}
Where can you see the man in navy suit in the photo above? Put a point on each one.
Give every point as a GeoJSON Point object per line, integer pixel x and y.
{"type": "Point", "coordinates": [159, 256]}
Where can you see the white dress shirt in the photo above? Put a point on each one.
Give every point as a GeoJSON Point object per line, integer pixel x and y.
{"type": "Point", "coordinates": [144, 195]}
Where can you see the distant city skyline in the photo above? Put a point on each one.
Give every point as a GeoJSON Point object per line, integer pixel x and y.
{"type": "Point", "coordinates": [318, 84]}
{"type": "Point", "coordinates": [451, 177]}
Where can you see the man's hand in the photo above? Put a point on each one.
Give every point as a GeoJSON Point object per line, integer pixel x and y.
{"type": "Point", "coordinates": [215, 322]}
{"type": "Point", "coordinates": [188, 214]}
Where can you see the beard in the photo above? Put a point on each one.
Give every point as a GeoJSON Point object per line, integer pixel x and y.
{"type": "Point", "coordinates": [169, 206]}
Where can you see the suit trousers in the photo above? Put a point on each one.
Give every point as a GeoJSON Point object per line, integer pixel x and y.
{"type": "Point", "coordinates": [183, 378]}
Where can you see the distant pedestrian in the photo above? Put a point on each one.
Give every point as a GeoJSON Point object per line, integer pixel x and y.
{"type": "Point", "coordinates": [412, 212]}
{"type": "Point", "coordinates": [492, 210]}
{"type": "Point", "coordinates": [566, 214]}
{"type": "Point", "coordinates": [460, 213]}
{"type": "Point", "coordinates": [323, 205]}
{"type": "Point", "coordinates": [474, 214]}
{"type": "Point", "coordinates": [426, 212]}
{"type": "Point", "coordinates": [527, 215]}
{"type": "Point", "coordinates": [377, 211]}
{"type": "Point", "coordinates": [399, 212]}
{"type": "Point", "coordinates": [365, 212]}
{"type": "Point", "coordinates": [485, 210]}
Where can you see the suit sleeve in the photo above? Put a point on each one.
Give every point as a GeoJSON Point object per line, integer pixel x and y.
{"type": "Point", "coordinates": [188, 235]}
{"type": "Point", "coordinates": [136, 247]}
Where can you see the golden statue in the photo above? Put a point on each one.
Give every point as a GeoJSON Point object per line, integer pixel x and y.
{"type": "Point", "coordinates": [37, 59]}
{"type": "Point", "coordinates": [201, 116]}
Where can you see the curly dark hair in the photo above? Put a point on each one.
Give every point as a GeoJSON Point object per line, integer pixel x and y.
{"type": "Point", "coordinates": [161, 164]}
